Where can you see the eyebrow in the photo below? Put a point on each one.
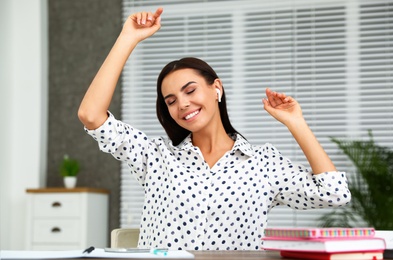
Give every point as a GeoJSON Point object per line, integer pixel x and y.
{"type": "Point", "coordinates": [181, 89]}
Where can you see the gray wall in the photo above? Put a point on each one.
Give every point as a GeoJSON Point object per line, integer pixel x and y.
{"type": "Point", "coordinates": [81, 33]}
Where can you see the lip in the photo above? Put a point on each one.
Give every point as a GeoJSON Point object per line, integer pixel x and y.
{"type": "Point", "coordinates": [197, 111]}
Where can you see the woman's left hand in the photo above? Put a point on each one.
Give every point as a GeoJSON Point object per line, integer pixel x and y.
{"type": "Point", "coordinates": [282, 107]}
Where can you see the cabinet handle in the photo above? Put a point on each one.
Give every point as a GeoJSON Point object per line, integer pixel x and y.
{"type": "Point", "coordinates": [56, 204]}
{"type": "Point", "coordinates": [56, 230]}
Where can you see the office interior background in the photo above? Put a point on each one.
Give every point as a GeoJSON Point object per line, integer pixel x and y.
{"type": "Point", "coordinates": [335, 57]}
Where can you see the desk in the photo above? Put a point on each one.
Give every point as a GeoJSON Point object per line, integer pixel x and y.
{"type": "Point", "coordinates": [246, 255]}
{"type": "Point", "coordinates": [226, 255]}
{"type": "Point", "coordinates": [236, 255]}
{"type": "Point", "coordinates": [214, 255]}
{"type": "Point", "coordinates": [241, 255]}
{"type": "Point", "coordinates": [232, 255]}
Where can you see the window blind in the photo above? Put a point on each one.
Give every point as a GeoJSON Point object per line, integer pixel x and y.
{"type": "Point", "coordinates": [334, 57]}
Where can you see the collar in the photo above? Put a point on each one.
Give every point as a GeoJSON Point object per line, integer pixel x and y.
{"type": "Point", "coordinates": [186, 144]}
{"type": "Point", "coordinates": [241, 144]}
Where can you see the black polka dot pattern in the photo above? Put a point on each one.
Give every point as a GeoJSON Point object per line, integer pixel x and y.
{"type": "Point", "coordinates": [189, 205]}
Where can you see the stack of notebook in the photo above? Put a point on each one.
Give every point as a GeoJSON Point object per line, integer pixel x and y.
{"type": "Point", "coordinates": [325, 243]}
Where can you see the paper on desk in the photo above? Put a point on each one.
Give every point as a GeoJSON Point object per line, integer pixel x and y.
{"type": "Point", "coordinates": [387, 235]}
{"type": "Point", "coordinates": [96, 253]}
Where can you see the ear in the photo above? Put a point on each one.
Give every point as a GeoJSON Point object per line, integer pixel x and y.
{"type": "Point", "coordinates": [218, 86]}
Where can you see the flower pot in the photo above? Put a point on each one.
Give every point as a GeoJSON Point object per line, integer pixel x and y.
{"type": "Point", "coordinates": [70, 182]}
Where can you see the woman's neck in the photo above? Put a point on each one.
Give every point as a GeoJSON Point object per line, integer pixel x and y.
{"type": "Point", "coordinates": [213, 144]}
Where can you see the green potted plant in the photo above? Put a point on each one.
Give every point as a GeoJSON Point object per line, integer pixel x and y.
{"type": "Point", "coordinates": [69, 169]}
{"type": "Point", "coordinates": [371, 187]}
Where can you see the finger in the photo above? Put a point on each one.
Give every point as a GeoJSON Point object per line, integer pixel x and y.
{"type": "Point", "coordinates": [289, 99]}
{"type": "Point", "coordinates": [136, 18]}
{"type": "Point", "coordinates": [268, 108]}
{"type": "Point", "coordinates": [272, 98]}
{"type": "Point", "coordinates": [153, 19]}
{"type": "Point", "coordinates": [269, 94]}
{"type": "Point", "coordinates": [158, 21]}
{"type": "Point", "coordinates": [150, 20]}
{"type": "Point", "coordinates": [144, 18]}
{"type": "Point", "coordinates": [280, 98]}
{"type": "Point", "coordinates": [149, 17]}
{"type": "Point", "coordinates": [278, 95]}
{"type": "Point", "coordinates": [158, 12]}
{"type": "Point", "coordinates": [265, 102]}
{"type": "Point", "coordinates": [268, 91]}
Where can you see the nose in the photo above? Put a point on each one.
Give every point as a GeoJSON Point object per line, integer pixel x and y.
{"type": "Point", "coordinates": [184, 103]}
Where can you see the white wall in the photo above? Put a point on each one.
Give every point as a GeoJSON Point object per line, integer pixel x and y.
{"type": "Point", "coordinates": [23, 103]}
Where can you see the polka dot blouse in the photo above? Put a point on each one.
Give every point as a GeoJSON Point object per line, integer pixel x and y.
{"type": "Point", "coordinates": [189, 205]}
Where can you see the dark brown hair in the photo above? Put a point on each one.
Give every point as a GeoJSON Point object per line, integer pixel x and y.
{"type": "Point", "coordinates": [175, 132]}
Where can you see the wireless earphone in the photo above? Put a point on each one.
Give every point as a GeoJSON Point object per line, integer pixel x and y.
{"type": "Point", "coordinates": [218, 94]}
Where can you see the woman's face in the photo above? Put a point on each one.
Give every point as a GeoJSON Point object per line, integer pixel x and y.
{"type": "Point", "coordinates": [191, 102]}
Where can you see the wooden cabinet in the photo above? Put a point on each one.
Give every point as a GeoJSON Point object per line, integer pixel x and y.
{"type": "Point", "coordinates": [65, 219]}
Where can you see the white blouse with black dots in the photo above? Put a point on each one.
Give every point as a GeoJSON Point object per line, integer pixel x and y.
{"type": "Point", "coordinates": [189, 205]}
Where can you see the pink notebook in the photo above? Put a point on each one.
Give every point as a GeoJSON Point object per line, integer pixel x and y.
{"type": "Point", "coordinates": [327, 245]}
{"type": "Point", "coordinates": [313, 233]}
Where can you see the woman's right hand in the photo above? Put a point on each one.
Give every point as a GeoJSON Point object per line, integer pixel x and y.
{"type": "Point", "coordinates": [94, 106]}
{"type": "Point", "coordinates": [142, 25]}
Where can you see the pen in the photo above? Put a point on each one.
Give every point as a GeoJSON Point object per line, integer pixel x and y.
{"type": "Point", "coordinates": [159, 251]}
{"type": "Point", "coordinates": [88, 250]}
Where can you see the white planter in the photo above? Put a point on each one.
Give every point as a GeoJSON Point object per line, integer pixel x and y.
{"type": "Point", "coordinates": [70, 182]}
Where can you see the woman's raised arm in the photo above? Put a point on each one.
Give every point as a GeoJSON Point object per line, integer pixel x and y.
{"type": "Point", "coordinates": [93, 108]}
{"type": "Point", "coordinates": [287, 110]}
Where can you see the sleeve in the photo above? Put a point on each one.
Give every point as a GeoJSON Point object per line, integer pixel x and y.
{"type": "Point", "coordinates": [125, 143]}
{"type": "Point", "coordinates": [297, 187]}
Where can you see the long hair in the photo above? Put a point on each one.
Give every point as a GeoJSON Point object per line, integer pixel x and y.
{"type": "Point", "coordinates": [175, 132]}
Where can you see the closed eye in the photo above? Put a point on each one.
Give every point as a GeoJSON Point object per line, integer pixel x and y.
{"type": "Point", "coordinates": [170, 101]}
{"type": "Point", "coordinates": [191, 91]}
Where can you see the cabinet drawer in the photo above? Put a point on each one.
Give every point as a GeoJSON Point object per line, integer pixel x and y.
{"type": "Point", "coordinates": [56, 205]}
{"type": "Point", "coordinates": [57, 230]}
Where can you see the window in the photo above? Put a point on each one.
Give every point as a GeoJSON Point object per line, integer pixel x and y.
{"type": "Point", "coordinates": [334, 57]}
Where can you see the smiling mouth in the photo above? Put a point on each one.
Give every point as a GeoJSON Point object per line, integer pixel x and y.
{"type": "Point", "coordinates": [189, 116]}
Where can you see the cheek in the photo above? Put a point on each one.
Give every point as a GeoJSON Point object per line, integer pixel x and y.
{"type": "Point", "coordinates": [172, 112]}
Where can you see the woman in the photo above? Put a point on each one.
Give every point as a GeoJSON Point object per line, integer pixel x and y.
{"type": "Point", "coordinates": [205, 187]}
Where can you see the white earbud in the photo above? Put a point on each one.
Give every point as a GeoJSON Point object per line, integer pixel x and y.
{"type": "Point", "coordinates": [218, 94]}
